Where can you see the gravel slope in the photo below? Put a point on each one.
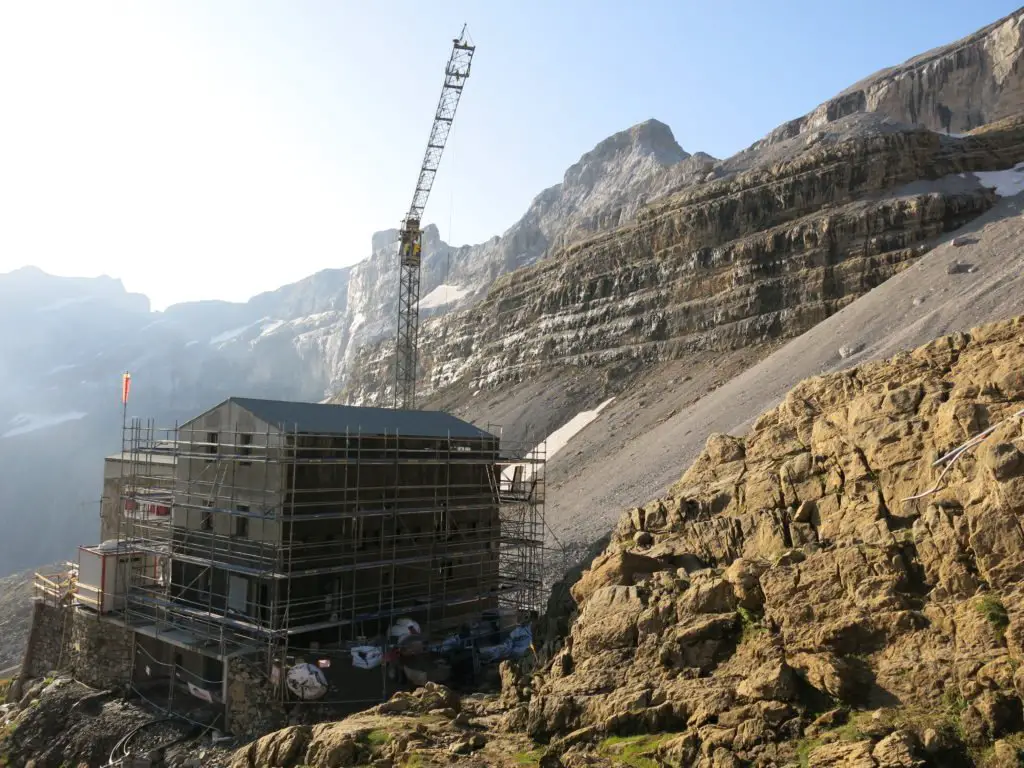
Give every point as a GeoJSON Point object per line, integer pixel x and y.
{"type": "Point", "coordinates": [602, 471]}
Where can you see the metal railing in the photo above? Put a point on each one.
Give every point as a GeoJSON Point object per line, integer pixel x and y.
{"type": "Point", "coordinates": [56, 589]}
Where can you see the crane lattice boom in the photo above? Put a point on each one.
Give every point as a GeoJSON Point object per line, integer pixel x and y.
{"type": "Point", "coordinates": [410, 236]}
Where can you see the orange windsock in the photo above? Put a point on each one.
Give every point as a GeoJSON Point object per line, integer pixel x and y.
{"type": "Point", "coordinates": [126, 385]}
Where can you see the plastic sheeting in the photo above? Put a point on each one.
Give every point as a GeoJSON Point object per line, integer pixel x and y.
{"type": "Point", "coordinates": [367, 656]}
{"type": "Point", "coordinates": [403, 628]}
{"type": "Point", "coordinates": [515, 646]}
{"type": "Point", "coordinates": [306, 682]}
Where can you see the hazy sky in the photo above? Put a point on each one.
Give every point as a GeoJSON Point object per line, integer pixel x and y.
{"type": "Point", "coordinates": [219, 148]}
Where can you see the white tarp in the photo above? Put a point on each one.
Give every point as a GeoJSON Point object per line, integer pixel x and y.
{"type": "Point", "coordinates": [366, 656]}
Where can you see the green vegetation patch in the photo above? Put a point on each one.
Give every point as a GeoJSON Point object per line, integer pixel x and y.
{"type": "Point", "coordinates": [378, 737]}
{"type": "Point", "coordinates": [803, 751]}
{"type": "Point", "coordinates": [992, 608]}
{"type": "Point", "coordinates": [750, 623]}
{"type": "Point", "coordinates": [633, 751]}
{"type": "Point", "coordinates": [531, 757]}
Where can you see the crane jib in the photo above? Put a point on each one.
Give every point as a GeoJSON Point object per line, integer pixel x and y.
{"type": "Point", "coordinates": [410, 236]}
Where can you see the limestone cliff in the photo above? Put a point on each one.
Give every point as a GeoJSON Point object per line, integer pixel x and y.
{"type": "Point", "coordinates": [954, 88]}
{"type": "Point", "coordinates": [738, 261]}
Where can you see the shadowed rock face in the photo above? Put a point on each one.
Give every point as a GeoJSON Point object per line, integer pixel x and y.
{"type": "Point", "coordinates": [790, 567]}
{"type": "Point", "coordinates": [765, 254]}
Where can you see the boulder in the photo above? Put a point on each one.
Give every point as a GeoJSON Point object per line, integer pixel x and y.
{"type": "Point", "coordinates": [614, 569]}
{"type": "Point", "coordinates": [773, 680]}
{"type": "Point", "coordinates": [897, 750]}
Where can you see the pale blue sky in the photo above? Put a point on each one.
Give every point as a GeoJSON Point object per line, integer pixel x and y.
{"type": "Point", "coordinates": [172, 142]}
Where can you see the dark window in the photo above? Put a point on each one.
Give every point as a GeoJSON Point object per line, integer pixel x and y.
{"type": "Point", "coordinates": [245, 449]}
{"type": "Point", "coordinates": [242, 523]}
{"type": "Point", "coordinates": [206, 520]}
{"type": "Point", "coordinates": [264, 602]}
{"type": "Point", "coordinates": [211, 444]}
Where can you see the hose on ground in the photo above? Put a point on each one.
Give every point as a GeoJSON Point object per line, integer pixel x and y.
{"type": "Point", "coordinates": [120, 745]}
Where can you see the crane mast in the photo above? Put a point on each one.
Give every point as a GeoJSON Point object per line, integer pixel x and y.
{"type": "Point", "coordinates": [410, 236]}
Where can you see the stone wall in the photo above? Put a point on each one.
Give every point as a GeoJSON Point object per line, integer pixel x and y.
{"type": "Point", "coordinates": [49, 640]}
{"type": "Point", "coordinates": [101, 651]}
{"type": "Point", "coordinates": [252, 708]}
{"type": "Point", "coordinates": [95, 651]}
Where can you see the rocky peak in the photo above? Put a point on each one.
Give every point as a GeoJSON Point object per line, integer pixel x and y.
{"type": "Point", "coordinates": [650, 140]}
{"type": "Point", "coordinates": [604, 188]}
{"type": "Point", "coordinates": [383, 239]}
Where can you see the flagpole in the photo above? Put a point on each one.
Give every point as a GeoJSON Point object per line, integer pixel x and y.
{"type": "Point", "coordinates": [126, 383]}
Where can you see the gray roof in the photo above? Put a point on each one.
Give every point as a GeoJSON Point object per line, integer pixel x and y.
{"type": "Point", "coordinates": [329, 419]}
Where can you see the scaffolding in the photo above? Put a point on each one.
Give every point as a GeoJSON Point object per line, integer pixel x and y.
{"type": "Point", "coordinates": [278, 546]}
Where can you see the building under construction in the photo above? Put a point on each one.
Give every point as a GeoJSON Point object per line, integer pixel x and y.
{"type": "Point", "coordinates": [360, 546]}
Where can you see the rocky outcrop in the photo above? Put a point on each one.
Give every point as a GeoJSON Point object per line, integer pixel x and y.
{"type": "Point", "coordinates": [60, 722]}
{"type": "Point", "coordinates": [426, 727]}
{"type": "Point", "coordinates": [860, 545]}
{"type": "Point", "coordinates": [735, 262]}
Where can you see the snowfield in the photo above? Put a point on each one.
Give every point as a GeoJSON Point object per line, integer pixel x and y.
{"type": "Point", "coordinates": [24, 423]}
{"type": "Point", "coordinates": [1007, 183]}
{"type": "Point", "coordinates": [442, 296]}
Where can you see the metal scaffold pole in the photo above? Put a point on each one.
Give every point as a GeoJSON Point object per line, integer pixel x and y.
{"type": "Point", "coordinates": [317, 553]}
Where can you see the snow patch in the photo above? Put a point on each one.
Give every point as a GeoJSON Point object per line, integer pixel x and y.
{"type": "Point", "coordinates": [234, 333]}
{"type": "Point", "coordinates": [24, 423]}
{"type": "Point", "coordinates": [558, 439]}
{"type": "Point", "coordinates": [270, 327]}
{"type": "Point", "coordinates": [1007, 183]}
{"type": "Point", "coordinates": [442, 295]}
{"type": "Point", "coordinates": [357, 320]}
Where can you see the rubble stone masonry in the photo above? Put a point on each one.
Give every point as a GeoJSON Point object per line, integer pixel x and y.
{"type": "Point", "coordinates": [95, 651]}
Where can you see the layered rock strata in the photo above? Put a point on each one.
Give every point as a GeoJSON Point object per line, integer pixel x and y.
{"type": "Point", "coordinates": [730, 263]}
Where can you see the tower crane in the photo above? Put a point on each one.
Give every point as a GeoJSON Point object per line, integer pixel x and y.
{"type": "Point", "coordinates": [410, 236]}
